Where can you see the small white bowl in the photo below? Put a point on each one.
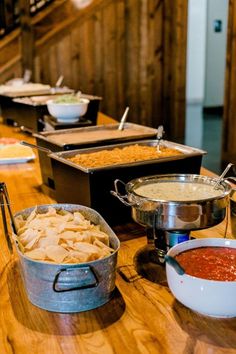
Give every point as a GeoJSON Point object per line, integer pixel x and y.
{"type": "Point", "coordinates": [208, 297]}
{"type": "Point", "coordinates": [68, 112]}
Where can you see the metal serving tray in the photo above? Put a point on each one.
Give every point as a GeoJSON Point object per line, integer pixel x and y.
{"type": "Point", "coordinates": [76, 135]}
{"type": "Point", "coordinates": [49, 140]}
{"type": "Point", "coordinates": [92, 186]}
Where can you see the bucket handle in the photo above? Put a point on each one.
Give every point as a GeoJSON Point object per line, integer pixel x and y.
{"type": "Point", "coordinates": [88, 286]}
{"type": "Point", "coordinates": [5, 204]}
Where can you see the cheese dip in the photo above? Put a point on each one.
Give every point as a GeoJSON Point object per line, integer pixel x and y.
{"type": "Point", "coordinates": [178, 191]}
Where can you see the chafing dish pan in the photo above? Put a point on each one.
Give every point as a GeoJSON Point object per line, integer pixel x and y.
{"type": "Point", "coordinates": [172, 214]}
{"type": "Point", "coordinates": [91, 186]}
{"type": "Point", "coordinates": [71, 139]}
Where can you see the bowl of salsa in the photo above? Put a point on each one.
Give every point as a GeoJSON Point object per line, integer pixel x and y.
{"type": "Point", "coordinates": [208, 285]}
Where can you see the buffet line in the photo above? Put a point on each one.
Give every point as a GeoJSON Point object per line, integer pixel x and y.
{"type": "Point", "coordinates": [113, 239]}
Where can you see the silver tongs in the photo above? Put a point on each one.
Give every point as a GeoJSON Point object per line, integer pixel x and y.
{"type": "Point", "coordinates": [160, 132]}
{"type": "Point", "coordinates": [5, 202]}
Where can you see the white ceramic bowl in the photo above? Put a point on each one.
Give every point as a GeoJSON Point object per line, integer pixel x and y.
{"type": "Point", "coordinates": [208, 297]}
{"type": "Point", "coordinates": [68, 112]}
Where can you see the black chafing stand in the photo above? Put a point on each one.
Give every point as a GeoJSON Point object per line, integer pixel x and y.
{"type": "Point", "coordinates": [31, 116]}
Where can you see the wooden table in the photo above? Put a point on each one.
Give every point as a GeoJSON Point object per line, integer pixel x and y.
{"type": "Point", "coordinates": [143, 317]}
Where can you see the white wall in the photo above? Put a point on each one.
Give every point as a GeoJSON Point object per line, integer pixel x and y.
{"type": "Point", "coordinates": [196, 51]}
{"type": "Point", "coordinates": [215, 53]}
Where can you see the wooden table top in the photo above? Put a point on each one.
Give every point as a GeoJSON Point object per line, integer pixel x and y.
{"type": "Point", "coordinates": [143, 317]}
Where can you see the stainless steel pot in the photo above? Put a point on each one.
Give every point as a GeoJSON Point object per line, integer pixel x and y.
{"type": "Point", "coordinates": [175, 215]}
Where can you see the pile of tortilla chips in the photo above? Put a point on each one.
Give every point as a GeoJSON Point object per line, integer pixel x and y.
{"type": "Point", "coordinates": [61, 237]}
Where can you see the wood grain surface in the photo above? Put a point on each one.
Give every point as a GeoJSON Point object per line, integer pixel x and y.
{"type": "Point", "coordinates": [131, 53]}
{"type": "Point", "coordinates": [143, 316]}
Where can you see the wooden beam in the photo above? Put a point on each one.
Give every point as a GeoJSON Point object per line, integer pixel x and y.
{"type": "Point", "coordinates": [174, 41]}
{"type": "Point", "coordinates": [229, 120]}
{"type": "Point", "coordinates": [27, 35]}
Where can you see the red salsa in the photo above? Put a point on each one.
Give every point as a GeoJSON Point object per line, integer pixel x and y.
{"type": "Point", "coordinates": [213, 263]}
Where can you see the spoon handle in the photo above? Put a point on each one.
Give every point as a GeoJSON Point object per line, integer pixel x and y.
{"type": "Point", "coordinates": [175, 264]}
{"type": "Point", "coordinates": [222, 175]}
{"type": "Point", "coordinates": [123, 119]}
{"type": "Point", "coordinates": [25, 143]}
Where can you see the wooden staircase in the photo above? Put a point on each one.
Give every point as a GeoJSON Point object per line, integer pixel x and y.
{"type": "Point", "coordinates": [17, 46]}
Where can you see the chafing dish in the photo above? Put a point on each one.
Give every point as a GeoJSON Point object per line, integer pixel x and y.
{"type": "Point", "coordinates": [29, 112]}
{"type": "Point", "coordinates": [91, 186]}
{"type": "Point", "coordinates": [71, 139]}
{"type": "Point", "coordinates": [184, 214]}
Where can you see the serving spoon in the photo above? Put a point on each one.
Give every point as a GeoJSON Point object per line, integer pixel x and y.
{"type": "Point", "coordinates": [175, 264]}
{"type": "Point", "coordinates": [222, 175]}
{"type": "Point", "coordinates": [160, 132]}
{"type": "Point", "coordinates": [34, 146]}
{"type": "Point", "coordinates": [123, 119]}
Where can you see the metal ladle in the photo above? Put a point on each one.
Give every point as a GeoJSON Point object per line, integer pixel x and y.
{"type": "Point", "coordinates": [34, 146]}
{"type": "Point", "coordinates": [222, 175]}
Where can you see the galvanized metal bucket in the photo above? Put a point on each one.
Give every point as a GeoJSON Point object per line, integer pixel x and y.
{"type": "Point", "coordinates": [70, 287]}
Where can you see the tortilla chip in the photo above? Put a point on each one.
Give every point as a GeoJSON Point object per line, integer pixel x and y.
{"type": "Point", "coordinates": [37, 254]}
{"type": "Point", "coordinates": [56, 253]}
{"type": "Point", "coordinates": [61, 237]}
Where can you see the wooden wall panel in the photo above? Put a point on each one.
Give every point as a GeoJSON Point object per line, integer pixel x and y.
{"type": "Point", "coordinates": [132, 53]}
{"type": "Point", "coordinates": [87, 74]}
{"type": "Point", "coordinates": [229, 122]}
{"type": "Point", "coordinates": [12, 69]}
{"type": "Point", "coordinates": [121, 101]}
{"type": "Point", "coordinates": [75, 57]}
{"type": "Point", "coordinates": [64, 60]}
{"type": "Point", "coordinates": [132, 50]}
{"type": "Point", "coordinates": [110, 49]}
{"type": "Point", "coordinates": [156, 67]}
{"type": "Point", "coordinates": [98, 53]}
{"type": "Point", "coordinates": [174, 66]}
{"type": "Point", "coordinates": [10, 56]}
{"type": "Point", "coordinates": [10, 47]}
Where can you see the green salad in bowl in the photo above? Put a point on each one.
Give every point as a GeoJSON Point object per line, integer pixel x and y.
{"type": "Point", "coordinates": [67, 108]}
{"type": "Point", "coordinates": [67, 99]}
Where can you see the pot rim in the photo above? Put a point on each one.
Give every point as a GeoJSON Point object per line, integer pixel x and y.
{"type": "Point", "coordinates": [66, 265]}
{"type": "Point", "coordinates": [131, 185]}
{"type": "Point", "coordinates": [202, 242]}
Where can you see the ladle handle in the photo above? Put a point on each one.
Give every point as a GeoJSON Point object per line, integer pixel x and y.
{"type": "Point", "coordinates": [123, 119]}
{"type": "Point", "coordinates": [48, 151]}
{"type": "Point", "coordinates": [59, 81]}
{"type": "Point", "coordinates": [175, 264]}
{"type": "Point", "coordinates": [222, 175]}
